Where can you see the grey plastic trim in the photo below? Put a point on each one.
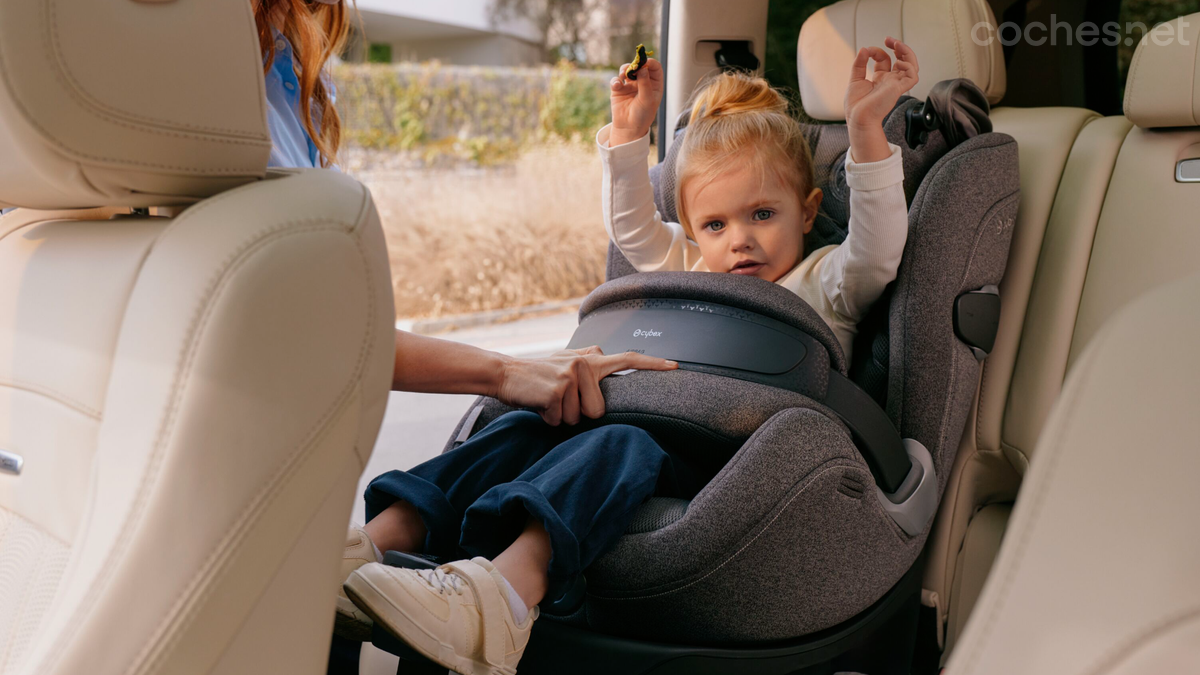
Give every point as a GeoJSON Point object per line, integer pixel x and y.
{"type": "Point", "coordinates": [913, 505]}
{"type": "Point", "coordinates": [1187, 171]}
{"type": "Point", "coordinates": [11, 462]}
{"type": "Point", "coordinates": [468, 425]}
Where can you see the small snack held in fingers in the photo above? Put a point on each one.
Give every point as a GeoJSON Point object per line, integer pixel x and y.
{"type": "Point", "coordinates": [639, 60]}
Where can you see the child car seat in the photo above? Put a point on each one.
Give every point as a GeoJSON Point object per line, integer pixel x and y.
{"type": "Point", "coordinates": [805, 542]}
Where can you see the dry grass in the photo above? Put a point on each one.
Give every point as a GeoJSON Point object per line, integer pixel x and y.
{"type": "Point", "coordinates": [469, 239]}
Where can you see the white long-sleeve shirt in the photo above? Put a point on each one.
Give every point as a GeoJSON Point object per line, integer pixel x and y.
{"type": "Point", "coordinates": [840, 281]}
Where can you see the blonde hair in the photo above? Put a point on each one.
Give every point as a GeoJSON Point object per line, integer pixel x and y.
{"type": "Point", "coordinates": [735, 113]}
{"type": "Point", "coordinates": [317, 31]}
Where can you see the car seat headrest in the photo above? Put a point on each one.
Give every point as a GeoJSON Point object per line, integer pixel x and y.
{"type": "Point", "coordinates": [1163, 89]}
{"type": "Point", "coordinates": [132, 103]}
{"type": "Point", "coordinates": [946, 34]}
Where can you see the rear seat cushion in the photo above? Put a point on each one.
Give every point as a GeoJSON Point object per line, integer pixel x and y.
{"type": "Point", "coordinates": [982, 473]}
{"type": "Point", "coordinates": [974, 562]}
{"type": "Point", "coordinates": [1058, 284]}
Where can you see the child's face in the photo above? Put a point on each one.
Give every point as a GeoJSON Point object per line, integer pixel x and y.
{"type": "Point", "coordinates": [748, 223]}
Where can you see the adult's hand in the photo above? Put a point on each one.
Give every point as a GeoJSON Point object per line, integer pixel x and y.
{"type": "Point", "coordinates": [566, 384]}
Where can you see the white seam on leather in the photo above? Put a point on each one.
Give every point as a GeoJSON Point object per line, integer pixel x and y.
{"type": "Point", "coordinates": [1005, 445]}
{"type": "Point", "coordinates": [210, 571]}
{"type": "Point", "coordinates": [958, 56]}
{"type": "Point", "coordinates": [52, 140]}
{"type": "Point", "coordinates": [1020, 329]}
{"type": "Point", "coordinates": [190, 601]}
{"type": "Point", "coordinates": [1118, 653]}
{"type": "Point", "coordinates": [53, 395]}
{"type": "Point", "coordinates": [183, 371]}
{"type": "Point", "coordinates": [1053, 440]}
{"type": "Point", "coordinates": [109, 111]}
{"type": "Point", "coordinates": [1134, 68]}
{"type": "Point", "coordinates": [1192, 81]}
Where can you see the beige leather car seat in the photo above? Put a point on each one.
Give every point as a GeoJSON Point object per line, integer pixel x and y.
{"type": "Point", "coordinates": [1097, 573]}
{"type": "Point", "coordinates": [1121, 224]}
{"type": "Point", "coordinates": [942, 32]}
{"type": "Point", "coordinates": [186, 402]}
{"type": "Point", "coordinates": [1100, 222]}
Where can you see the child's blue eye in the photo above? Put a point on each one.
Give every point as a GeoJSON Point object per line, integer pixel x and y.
{"type": "Point", "coordinates": [714, 226]}
{"type": "Point", "coordinates": [763, 214]}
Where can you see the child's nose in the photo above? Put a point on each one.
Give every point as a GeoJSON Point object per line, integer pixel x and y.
{"type": "Point", "coordinates": [741, 238]}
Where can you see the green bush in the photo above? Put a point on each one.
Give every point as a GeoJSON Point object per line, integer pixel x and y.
{"type": "Point", "coordinates": [477, 114]}
{"type": "Point", "coordinates": [575, 106]}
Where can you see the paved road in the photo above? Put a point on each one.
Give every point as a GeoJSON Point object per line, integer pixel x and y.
{"type": "Point", "coordinates": [416, 426]}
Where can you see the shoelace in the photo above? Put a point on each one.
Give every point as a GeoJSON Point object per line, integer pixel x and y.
{"type": "Point", "coordinates": [441, 581]}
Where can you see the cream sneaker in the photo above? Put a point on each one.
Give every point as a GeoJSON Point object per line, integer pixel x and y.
{"type": "Point", "coordinates": [350, 621]}
{"type": "Point", "coordinates": [456, 615]}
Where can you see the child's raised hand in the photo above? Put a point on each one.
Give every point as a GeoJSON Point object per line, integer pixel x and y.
{"type": "Point", "coordinates": [635, 102]}
{"type": "Point", "coordinates": [868, 101]}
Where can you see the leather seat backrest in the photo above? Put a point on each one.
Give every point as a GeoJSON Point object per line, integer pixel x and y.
{"type": "Point", "coordinates": [1097, 572]}
{"type": "Point", "coordinates": [186, 402]}
{"type": "Point", "coordinates": [1117, 225]}
{"type": "Point", "coordinates": [943, 35]}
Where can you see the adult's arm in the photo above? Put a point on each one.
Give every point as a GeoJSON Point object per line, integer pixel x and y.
{"type": "Point", "coordinates": [560, 387]}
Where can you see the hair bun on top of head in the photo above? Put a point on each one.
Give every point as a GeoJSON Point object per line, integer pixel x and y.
{"type": "Point", "coordinates": [735, 92]}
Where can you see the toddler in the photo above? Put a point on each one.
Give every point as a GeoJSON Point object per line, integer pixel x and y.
{"type": "Point", "coordinates": [535, 504]}
{"type": "Point", "coordinates": [745, 190]}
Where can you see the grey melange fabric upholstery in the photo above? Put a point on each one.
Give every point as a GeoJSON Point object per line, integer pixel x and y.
{"type": "Point", "coordinates": [788, 538]}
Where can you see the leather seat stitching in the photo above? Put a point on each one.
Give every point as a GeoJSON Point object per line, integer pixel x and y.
{"type": "Point", "coordinates": [958, 55]}
{"type": "Point", "coordinates": [183, 372]}
{"type": "Point", "coordinates": [52, 140]}
{"type": "Point", "coordinates": [53, 395]}
{"type": "Point", "coordinates": [1035, 503]}
{"type": "Point", "coordinates": [1134, 70]}
{"type": "Point", "coordinates": [1164, 624]}
{"type": "Point", "coordinates": [87, 99]}
{"type": "Point", "coordinates": [212, 567]}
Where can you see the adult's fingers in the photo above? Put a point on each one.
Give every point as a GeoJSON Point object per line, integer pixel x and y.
{"type": "Point", "coordinates": [553, 412]}
{"type": "Point", "coordinates": [591, 399]}
{"type": "Point", "coordinates": [607, 365]}
{"type": "Point", "coordinates": [570, 401]}
{"type": "Point", "coordinates": [586, 351]}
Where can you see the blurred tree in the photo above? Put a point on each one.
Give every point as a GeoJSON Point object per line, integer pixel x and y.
{"type": "Point", "coordinates": [592, 32]}
{"type": "Point", "coordinates": [631, 23]}
{"type": "Point", "coordinates": [565, 25]}
{"type": "Point", "coordinates": [784, 18]}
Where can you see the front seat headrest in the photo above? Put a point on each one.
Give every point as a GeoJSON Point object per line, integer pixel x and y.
{"type": "Point", "coordinates": [1163, 89]}
{"type": "Point", "coordinates": [946, 35]}
{"type": "Point", "coordinates": [175, 115]}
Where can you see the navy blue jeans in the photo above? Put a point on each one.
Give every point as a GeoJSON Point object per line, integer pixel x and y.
{"type": "Point", "coordinates": [584, 487]}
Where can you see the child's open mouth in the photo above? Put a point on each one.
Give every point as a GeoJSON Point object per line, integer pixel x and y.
{"type": "Point", "coordinates": [747, 267]}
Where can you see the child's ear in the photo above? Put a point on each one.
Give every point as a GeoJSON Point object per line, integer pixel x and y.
{"type": "Point", "coordinates": [811, 207]}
